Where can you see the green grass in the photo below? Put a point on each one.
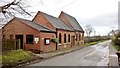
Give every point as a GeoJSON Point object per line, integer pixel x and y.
{"type": "Point", "coordinates": [117, 47]}
{"type": "Point", "coordinates": [89, 44]}
{"type": "Point", "coordinates": [15, 57]}
{"type": "Point", "coordinates": [93, 43]}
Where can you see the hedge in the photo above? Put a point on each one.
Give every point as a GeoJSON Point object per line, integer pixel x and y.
{"type": "Point", "coordinates": [96, 38]}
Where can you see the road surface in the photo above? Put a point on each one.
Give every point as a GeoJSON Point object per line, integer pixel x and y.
{"type": "Point", "coordinates": [96, 55]}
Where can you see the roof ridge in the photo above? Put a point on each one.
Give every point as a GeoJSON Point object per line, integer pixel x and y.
{"type": "Point", "coordinates": [55, 21]}
{"type": "Point", "coordinates": [48, 14]}
{"type": "Point", "coordinates": [67, 14]}
{"type": "Point", "coordinates": [44, 26]}
{"type": "Point", "coordinates": [66, 24]}
{"type": "Point", "coordinates": [51, 16]}
{"type": "Point", "coordinates": [73, 21]}
{"type": "Point", "coordinates": [35, 23]}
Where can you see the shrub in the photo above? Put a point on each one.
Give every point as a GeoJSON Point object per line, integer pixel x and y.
{"type": "Point", "coordinates": [55, 40]}
{"type": "Point", "coordinates": [116, 39]}
{"type": "Point", "coordinates": [96, 38]}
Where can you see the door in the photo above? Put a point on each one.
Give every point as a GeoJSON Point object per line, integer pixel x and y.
{"type": "Point", "coordinates": [73, 40]}
{"type": "Point", "coordinates": [21, 40]}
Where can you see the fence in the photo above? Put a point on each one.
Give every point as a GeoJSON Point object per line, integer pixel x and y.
{"type": "Point", "coordinates": [10, 44]}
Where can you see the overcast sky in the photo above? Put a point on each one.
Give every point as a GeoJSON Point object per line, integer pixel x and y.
{"type": "Point", "coordinates": [101, 14]}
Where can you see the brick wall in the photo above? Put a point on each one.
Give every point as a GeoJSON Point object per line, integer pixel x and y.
{"type": "Point", "coordinates": [62, 44]}
{"type": "Point", "coordinates": [79, 38]}
{"type": "Point", "coordinates": [14, 28]}
{"type": "Point", "coordinates": [77, 42]}
{"type": "Point", "coordinates": [40, 19]}
{"type": "Point", "coordinates": [51, 46]}
{"type": "Point", "coordinates": [62, 16]}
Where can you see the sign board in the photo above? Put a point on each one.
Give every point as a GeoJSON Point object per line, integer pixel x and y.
{"type": "Point", "coordinates": [47, 41]}
{"type": "Point", "coordinates": [36, 40]}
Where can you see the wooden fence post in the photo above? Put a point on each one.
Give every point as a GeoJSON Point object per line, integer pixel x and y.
{"type": "Point", "coordinates": [19, 43]}
{"type": "Point", "coordinates": [15, 45]}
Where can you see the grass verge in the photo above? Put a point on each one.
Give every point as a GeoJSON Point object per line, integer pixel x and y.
{"type": "Point", "coordinates": [93, 43]}
{"type": "Point", "coordinates": [15, 57]}
{"type": "Point", "coordinates": [117, 47]}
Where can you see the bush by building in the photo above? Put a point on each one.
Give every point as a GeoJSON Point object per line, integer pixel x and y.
{"type": "Point", "coordinates": [116, 39]}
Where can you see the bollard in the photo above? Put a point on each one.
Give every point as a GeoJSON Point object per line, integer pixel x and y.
{"type": "Point", "coordinates": [118, 54]}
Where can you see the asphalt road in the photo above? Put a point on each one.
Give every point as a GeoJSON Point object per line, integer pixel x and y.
{"type": "Point", "coordinates": [96, 55]}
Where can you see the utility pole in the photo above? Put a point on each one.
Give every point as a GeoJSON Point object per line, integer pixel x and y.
{"type": "Point", "coordinates": [94, 33]}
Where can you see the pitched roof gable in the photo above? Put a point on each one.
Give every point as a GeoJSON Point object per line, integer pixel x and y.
{"type": "Point", "coordinates": [73, 22]}
{"type": "Point", "coordinates": [56, 22]}
{"type": "Point", "coordinates": [34, 25]}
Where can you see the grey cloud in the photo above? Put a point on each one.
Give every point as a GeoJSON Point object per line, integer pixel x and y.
{"type": "Point", "coordinates": [101, 21]}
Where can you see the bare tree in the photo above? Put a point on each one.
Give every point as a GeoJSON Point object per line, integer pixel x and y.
{"type": "Point", "coordinates": [10, 9]}
{"type": "Point", "coordinates": [89, 29]}
{"type": "Point", "coordinates": [5, 8]}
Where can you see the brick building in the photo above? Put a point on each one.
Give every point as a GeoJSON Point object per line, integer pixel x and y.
{"type": "Point", "coordinates": [72, 22]}
{"type": "Point", "coordinates": [63, 32]}
{"type": "Point", "coordinates": [39, 34]}
{"type": "Point", "coordinates": [33, 37]}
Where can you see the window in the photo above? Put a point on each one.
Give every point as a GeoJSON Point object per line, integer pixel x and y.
{"type": "Point", "coordinates": [11, 36]}
{"type": "Point", "coordinates": [64, 38]}
{"type": "Point", "coordinates": [47, 41]}
{"type": "Point", "coordinates": [29, 39]}
{"type": "Point", "coordinates": [79, 37]}
{"type": "Point", "coordinates": [68, 37]}
{"type": "Point", "coordinates": [60, 38]}
{"type": "Point", "coordinates": [82, 36]}
{"type": "Point", "coordinates": [76, 37]}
